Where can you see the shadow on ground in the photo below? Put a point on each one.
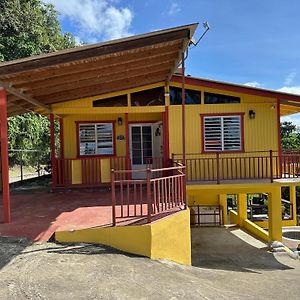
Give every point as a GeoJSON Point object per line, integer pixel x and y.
{"type": "Point", "coordinates": [231, 249]}
{"type": "Point", "coordinates": [10, 248]}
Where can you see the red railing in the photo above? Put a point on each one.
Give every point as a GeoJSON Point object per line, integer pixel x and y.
{"type": "Point", "coordinates": [148, 197]}
{"type": "Point", "coordinates": [249, 165]}
{"type": "Point", "coordinates": [87, 171]}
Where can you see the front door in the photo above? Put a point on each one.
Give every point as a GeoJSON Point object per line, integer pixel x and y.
{"type": "Point", "coordinates": [141, 147]}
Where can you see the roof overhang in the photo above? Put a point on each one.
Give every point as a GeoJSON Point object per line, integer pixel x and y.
{"type": "Point", "coordinates": [42, 80]}
{"type": "Point", "coordinates": [289, 103]}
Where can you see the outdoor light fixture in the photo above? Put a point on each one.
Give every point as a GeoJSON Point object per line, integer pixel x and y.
{"type": "Point", "coordinates": [251, 114]}
{"type": "Point", "coordinates": [120, 121]}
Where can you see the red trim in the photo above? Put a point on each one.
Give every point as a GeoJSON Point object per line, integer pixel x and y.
{"type": "Point", "coordinates": [113, 122]}
{"type": "Point", "coordinates": [183, 105]}
{"type": "Point", "coordinates": [241, 114]}
{"type": "Point", "coordinates": [52, 148]}
{"type": "Point", "coordinates": [4, 157]}
{"type": "Point", "coordinates": [143, 122]}
{"type": "Point", "coordinates": [234, 88]}
{"type": "Point", "coordinates": [128, 162]}
{"type": "Point", "coordinates": [61, 138]}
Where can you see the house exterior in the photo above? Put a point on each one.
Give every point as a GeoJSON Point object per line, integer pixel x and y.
{"type": "Point", "coordinates": [123, 111]}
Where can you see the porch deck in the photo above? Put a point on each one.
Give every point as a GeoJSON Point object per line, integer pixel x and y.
{"type": "Point", "coordinates": [38, 215]}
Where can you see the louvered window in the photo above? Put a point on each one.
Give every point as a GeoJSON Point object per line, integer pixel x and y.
{"type": "Point", "coordinates": [96, 139]}
{"type": "Point", "coordinates": [222, 133]}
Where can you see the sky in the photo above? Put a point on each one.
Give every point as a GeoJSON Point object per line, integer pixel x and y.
{"type": "Point", "coordinates": [253, 42]}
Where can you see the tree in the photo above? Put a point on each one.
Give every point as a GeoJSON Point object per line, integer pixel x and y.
{"type": "Point", "coordinates": [30, 27]}
{"type": "Point", "coordinates": [290, 136]}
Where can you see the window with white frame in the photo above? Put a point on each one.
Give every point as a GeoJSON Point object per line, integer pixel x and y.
{"type": "Point", "coordinates": [96, 139]}
{"type": "Point", "coordinates": [222, 133]}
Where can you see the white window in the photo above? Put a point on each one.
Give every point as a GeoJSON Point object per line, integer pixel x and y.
{"type": "Point", "coordinates": [96, 139]}
{"type": "Point", "coordinates": [222, 133]}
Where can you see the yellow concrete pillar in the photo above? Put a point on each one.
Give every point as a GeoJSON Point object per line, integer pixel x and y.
{"type": "Point", "coordinates": [275, 215]}
{"type": "Point", "coordinates": [294, 204]}
{"type": "Point", "coordinates": [223, 204]}
{"type": "Point", "coordinates": [242, 208]}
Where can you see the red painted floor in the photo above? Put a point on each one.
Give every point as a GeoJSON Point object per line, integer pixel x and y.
{"type": "Point", "coordinates": [37, 215]}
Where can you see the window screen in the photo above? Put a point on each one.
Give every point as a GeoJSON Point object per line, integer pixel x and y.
{"type": "Point", "coordinates": [96, 139]}
{"type": "Point", "coordinates": [191, 96]}
{"type": "Point", "coordinates": [210, 98]}
{"type": "Point", "coordinates": [222, 133]}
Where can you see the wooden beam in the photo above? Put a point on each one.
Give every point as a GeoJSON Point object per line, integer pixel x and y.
{"type": "Point", "coordinates": [95, 63]}
{"type": "Point", "coordinates": [40, 62]}
{"type": "Point", "coordinates": [62, 88]}
{"type": "Point", "coordinates": [98, 72]}
{"type": "Point", "coordinates": [21, 95]}
{"type": "Point", "coordinates": [111, 86]}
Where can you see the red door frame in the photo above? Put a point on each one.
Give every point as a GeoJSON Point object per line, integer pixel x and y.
{"type": "Point", "coordinates": [4, 157]}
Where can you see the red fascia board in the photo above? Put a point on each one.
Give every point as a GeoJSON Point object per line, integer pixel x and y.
{"type": "Point", "coordinates": [234, 88]}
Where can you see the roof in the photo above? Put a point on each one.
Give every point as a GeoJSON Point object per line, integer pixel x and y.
{"type": "Point", "coordinates": [289, 103]}
{"type": "Point", "coordinates": [94, 69]}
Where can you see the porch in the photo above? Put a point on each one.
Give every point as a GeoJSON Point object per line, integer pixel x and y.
{"type": "Point", "coordinates": [241, 168]}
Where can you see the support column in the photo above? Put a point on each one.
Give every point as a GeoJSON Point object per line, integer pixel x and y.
{"type": "Point", "coordinates": [223, 204]}
{"type": "Point", "coordinates": [52, 148]}
{"type": "Point", "coordinates": [294, 204]}
{"type": "Point", "coordinates": [242, 208]}
{"type": "Point", "coordinates": [61, 138]}
{"type": "Point", "coordinates": [4, 157]}
{"type": "Point", "coordinates": [183, 106]}
{"type": "Point", "coordinates": [275, 215]}
{"type": "Point", "coordinates": [166, 153]}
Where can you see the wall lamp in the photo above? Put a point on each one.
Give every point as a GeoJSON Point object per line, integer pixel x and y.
{"type": "Point", "coordinates": [251, 114]}
{"type": "Point", "coordinates": [120, 121]}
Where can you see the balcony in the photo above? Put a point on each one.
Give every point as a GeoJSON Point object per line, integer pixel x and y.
{"type": "Point", "coordinates": [246, 167]}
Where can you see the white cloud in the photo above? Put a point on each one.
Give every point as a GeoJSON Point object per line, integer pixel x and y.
{"type": "Point", "coordinates": [290, 78]}
{"type": "Point", "coordinates": [96, 20]}
{"type": "Point", "coordinates": [290, 89]}
{"type": "Point", "coordinates": [253, 84]}
{"type": "Point", "coordinates": [174, 9]}
{"type": "Point", "coordinates": [295, 119]}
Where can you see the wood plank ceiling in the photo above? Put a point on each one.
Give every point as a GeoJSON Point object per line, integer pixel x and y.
{"type": "Point", "coordinates": [92, 70]}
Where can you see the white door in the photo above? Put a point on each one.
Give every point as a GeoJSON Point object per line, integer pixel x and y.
{"type": "Point", "coordinates": [141, 148]}
{"type": "Point", "coordinates": [157, 138]}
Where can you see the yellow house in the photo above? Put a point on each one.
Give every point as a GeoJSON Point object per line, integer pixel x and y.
{"type": "Point", "coordinates": [120, 107]}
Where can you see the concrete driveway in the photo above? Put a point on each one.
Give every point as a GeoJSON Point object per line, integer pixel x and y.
{"type": "Point", "coordinates": [51, 271]}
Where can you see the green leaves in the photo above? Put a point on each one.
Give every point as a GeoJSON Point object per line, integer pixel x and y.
{"type": "Point", "coordinates": [30, 27]}
{"type": "Point", "coordinates": [290, 136]}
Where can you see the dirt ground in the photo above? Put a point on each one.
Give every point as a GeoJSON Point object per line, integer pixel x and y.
{"type": "Point", "coordinates": [52, 271]}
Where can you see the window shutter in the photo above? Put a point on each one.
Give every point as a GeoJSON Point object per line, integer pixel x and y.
{"type": "Point", "coordinates": [104, 139]}
{"type": "Point", "coordinates": [232, 133]}
{"type": "Point", "coordinates": [96, 139]}
{"type": "Point", "coordinates": [222, 133]}
{"type": "Point", "coordinates": [87, 139]}
{"type": "Point", "coordinates": [213, 134]}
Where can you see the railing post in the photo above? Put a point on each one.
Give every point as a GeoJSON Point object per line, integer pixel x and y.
{"type": "Point", "coordinates": [218, 168]}
{"type": "Point", "coordinates": [113, 197]}
{"type": "Point", "coordinates": [149, 210]}
{"type": "Point", "coordinates": [184, 187]}
{"type": "Point", "coordinates": [271, 165]}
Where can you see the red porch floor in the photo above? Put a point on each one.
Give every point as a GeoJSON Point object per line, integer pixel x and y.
{"type": "Point", "coordinates": [38, 215]}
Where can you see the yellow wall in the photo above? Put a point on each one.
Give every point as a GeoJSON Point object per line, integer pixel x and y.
{"type": "Point", "coordinates": [168, 238]}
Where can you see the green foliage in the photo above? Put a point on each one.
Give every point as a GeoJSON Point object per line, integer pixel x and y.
{"type": "Point", "coordinates": [30, 132]}
{"type": "Point", "coordinates": [30, 27]}
{"type": "Point", "coordinates": [290, 136]}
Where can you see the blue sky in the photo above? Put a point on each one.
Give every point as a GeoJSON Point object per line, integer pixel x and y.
{"type": "Point", "coordinates": [252, 42]}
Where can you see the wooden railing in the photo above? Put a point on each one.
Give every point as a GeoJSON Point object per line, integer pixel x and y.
{"type": "Point", "coordinates": [92, 171]}
{"type": "Point", "coordinates": [149, 197]}
{"type": "Point", "coordinates": [218, 167]}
